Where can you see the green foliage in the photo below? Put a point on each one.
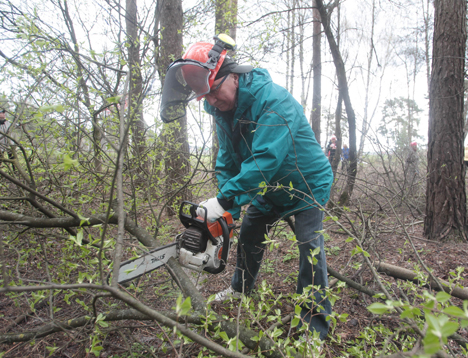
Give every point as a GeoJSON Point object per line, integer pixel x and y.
{"type": "Point", "coordinates": [441, 318]}
{"type": "Point", "coordinates": [182, 308]}
{"type": "Point", "coordinates": [399, 122]}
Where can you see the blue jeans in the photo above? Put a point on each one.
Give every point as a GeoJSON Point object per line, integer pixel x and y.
{"type": "Point", "coordinates": [250, 253]}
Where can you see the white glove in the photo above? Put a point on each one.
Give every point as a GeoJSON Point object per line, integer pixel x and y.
{"type": "Point", "coordinates": [213, 209]}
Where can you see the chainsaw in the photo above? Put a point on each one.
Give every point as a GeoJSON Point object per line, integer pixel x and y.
{"type": "Point", "coordinates": [203, 246]}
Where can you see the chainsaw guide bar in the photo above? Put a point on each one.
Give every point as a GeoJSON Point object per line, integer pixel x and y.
{"type": "Point", "coordinates": [203, 246]}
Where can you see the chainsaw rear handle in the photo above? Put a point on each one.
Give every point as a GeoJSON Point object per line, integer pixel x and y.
{"type": "Point", "coordinates": [226, 246]}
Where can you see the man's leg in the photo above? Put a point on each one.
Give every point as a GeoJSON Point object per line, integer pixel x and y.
{"type": "Point", "coordinates": [250, 248]}
{"type": "Point", "coordinates": [307, 224]}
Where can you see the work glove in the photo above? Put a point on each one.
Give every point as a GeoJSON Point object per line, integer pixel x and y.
{"type": "Point", "coordinates": [213, 209]}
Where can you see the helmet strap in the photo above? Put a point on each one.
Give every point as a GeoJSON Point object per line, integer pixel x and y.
{"type": "Point", "coordinates": [215, 53]}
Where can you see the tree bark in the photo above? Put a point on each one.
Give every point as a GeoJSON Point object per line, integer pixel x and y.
{"type": "Point", "coordinates": [339, 140]}
{"type": "Point", "coordinates": [135, 93]}
{"type": "Point", "coordinates": [408, 275]}
{"type": "Point", "coordinates": [365, 120]}
{"type": "Point", "coordinates": [225, 22]}
{"type": "Point", "coordinates": [177, 162]}
{"type": "Point", "coordinates": [344, 91]}
{"type": "Point", "coordinates": [446, 192]}
{"type": "Point", "coordinates": [317, 65]}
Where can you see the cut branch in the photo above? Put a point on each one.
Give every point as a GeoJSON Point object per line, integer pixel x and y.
{"type": "Point", "coordinates": [404, 274]}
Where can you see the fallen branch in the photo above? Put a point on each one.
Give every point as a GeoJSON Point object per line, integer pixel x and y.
{"type": "Point", "coordinates": [405, 274]}
{"type": "Point", "coordinates": [117, 315]}
{"type": "Point", "coordinates": [66, 222]}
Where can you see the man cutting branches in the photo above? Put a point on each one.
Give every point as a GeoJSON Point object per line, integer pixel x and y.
{"type": "Point", "coordinates": [264, 141]}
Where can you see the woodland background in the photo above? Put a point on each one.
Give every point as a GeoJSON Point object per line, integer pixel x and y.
{"type": "Point", "coordinates": [93, 177]}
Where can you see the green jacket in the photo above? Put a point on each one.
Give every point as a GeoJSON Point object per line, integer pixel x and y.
{"type": "Point", "coordinates": [268, 141]}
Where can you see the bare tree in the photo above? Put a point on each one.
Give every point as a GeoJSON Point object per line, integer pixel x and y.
{"type": "Point", "coordinates": [175, 134]}
{"type": "Point", "coordinates": [446, 192]}
{"type": "Point", "coordinates": [317, 65]}
{"type": "Point", "coordinates": [135, 94]}
{"type": "Point", "coordinates": [225, 22]}
{"type": "Point", "coordinates": [370, 56]}
{"type": "Point", "coordinates": [344, 92]}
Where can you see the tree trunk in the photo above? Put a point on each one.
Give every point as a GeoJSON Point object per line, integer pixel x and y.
{"type": "Point", "coordinates": [365, 120]}
{"type": "Point", "coordinates": [344, 91]}
{"type": "Point", "coordinates": [292, 48]}
{"type": "Point", "coordinates": [177, 162]}
{"type": "Point", "coordinates": [317, 65]}
{"type": "Point", "coordinates": [339, 141]}
{"type": "Point", "coordinates": [225, 22]}
{"type": "Point", "coordinates": [135, 93]}
{"type": "Point", "coordinates": [446, 193]}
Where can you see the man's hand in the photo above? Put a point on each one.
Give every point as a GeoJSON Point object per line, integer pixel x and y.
{"type": "Point", "coordinates": [213, 209]}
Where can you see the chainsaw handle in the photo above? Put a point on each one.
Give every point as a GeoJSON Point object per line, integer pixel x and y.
{"type": "Point", "coordinates": [193, 220]}
{"type": "Point", "coordinates": [184, 218]}
{"type": "Point", "coordinates": [226, 246]}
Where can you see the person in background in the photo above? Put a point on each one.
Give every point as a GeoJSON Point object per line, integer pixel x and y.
{"type": "Point", "coordinates": [344, 157]}
{"type": "Point", "coordinates": [331, 149]}
{"type": "Point", "coordinates": [264, 139]}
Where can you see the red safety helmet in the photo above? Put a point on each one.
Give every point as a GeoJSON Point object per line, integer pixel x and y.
{"type": "Point", "coordinates": [193, 75]}
{"type": "Point", "coordinates": [199, 52]}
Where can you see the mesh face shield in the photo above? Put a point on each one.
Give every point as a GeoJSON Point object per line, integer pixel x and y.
{"type": "Point", "coordinates": [185, 80]}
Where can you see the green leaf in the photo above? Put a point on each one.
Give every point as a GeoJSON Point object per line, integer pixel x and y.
{"type": "Point", "coordinates": [449, 328]}
{"type": "Point", "coordinates": [443, 297]}
{"type": "Point", "coordinates": [100, 320]}
{"type": "Point", "coordinates": [115, 99]}
{"type": "Point", "coordinates": [431, 344]}
{"type": "Point", "coordinates": [97, 350]}
{"type": "Point", "coordinates": [379, 308]}
{"type": "Point", "coordinates": [45, 109]}
{"type": "Point", "coordinates": [277, 332]}
{"type": "Point", "coordinates": [186, 306]}
{"type": "Point", "coordinates": [69, 163]}
{"type": "Point", "coordinates": [78, 239]}
{"type": "Point", "coordinates": [83, 220]}
{"type": "Point", "coordinates": [224, 336]}
{"type": "Point", "coordinates": [295, 322]}
{"type": "Point", "coordinates": [182, 308]}
{"type": "Point", "coordinates": [59, 108]}
{"type": "Point", "coordinates": [410, 313]}
{"type": "Point", "coordinates": [455, 311]}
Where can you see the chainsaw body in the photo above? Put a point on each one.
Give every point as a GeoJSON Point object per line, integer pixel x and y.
{"type": "Point", "coordinates": [203, 246]}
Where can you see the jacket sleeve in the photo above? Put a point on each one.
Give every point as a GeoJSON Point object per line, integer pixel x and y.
{"type": "Point", "coordinates": [225, 166]}
{"type": "Point", "coordinates": [277, 118]}
{"type": "Point", "coordinates": [225, 170]}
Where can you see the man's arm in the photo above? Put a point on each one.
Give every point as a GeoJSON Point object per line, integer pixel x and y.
{"type": "Point", "coordinates": [277, 125]}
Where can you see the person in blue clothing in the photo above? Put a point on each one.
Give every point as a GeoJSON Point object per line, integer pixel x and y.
{"type": "Point", "coordinates": [344, 157]}
{"type": "Point", "coordinates": [268, 159]}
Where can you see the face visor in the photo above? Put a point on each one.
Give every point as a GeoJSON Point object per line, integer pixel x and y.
{"type": "Point", "coordinates": [192, 76]}
{"type": "Point", "coordinates": [185, 80]}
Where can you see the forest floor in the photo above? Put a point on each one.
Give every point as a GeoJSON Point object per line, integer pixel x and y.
{"type": "Point", "coordinates": [279, 269]}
